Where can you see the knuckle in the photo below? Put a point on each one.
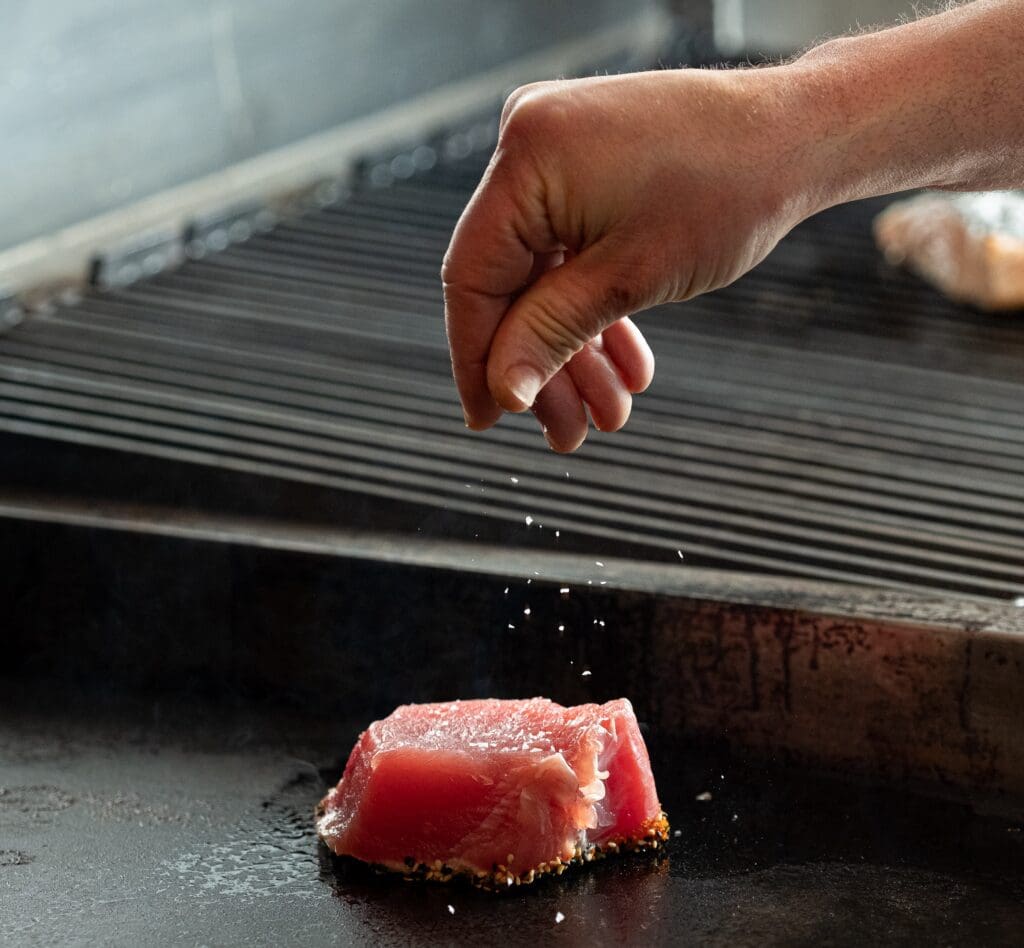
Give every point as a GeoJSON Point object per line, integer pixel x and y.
{"type": "Point", "coordinates": [516, 96]}
{"type": "Point", "coordinates": [449, 269]}
{"type": "Point", "coordinates": [560, 330]}
{"type": "Point", "coordinates": [537, 109]}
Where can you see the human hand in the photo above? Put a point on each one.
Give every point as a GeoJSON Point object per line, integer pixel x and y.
{"type": "Point", "coordinates": [606, 196]}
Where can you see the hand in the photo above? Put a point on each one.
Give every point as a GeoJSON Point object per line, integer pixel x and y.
{"type": "Point", "coordinates": [606, 196]}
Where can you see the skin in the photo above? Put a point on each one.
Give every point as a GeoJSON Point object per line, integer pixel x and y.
{"type": "Point", "coordinates": [609, 195]}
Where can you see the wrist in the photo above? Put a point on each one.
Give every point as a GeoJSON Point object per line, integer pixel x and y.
{"type": "Point", "coordinates": [930, 104]}
{"type": "Point", "coordinates": [847, 119]}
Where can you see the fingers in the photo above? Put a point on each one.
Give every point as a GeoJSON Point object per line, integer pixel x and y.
{"type": "Point", "coordinates": [553, 320]}
{"type": "Point", "coordinates": [601, 387]}
{"type": "Point", "coordinates": [628, 349]}
{"type": "Point", "coordinates": [487, 264]}
{"type": "Point", "coordinates": [560, 411]}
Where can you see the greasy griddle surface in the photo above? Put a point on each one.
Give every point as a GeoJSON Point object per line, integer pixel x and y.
{"type": "Point", "coordinates": [159, 827]}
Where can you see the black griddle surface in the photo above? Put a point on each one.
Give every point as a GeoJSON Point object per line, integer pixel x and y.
{"type": "Point", "coordinates": [154, 827]}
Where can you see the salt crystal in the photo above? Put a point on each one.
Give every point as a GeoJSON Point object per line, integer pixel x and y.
{"type": "Point", "coordinates": [511, 626]}
{"type": "Point", "coordinates": [515, 480]}
{"type": "Point", "coordinates": [677, 833]}
{"type": "Point", "coordinates": [704, 797]}
{"type": "Point", "coordinates": [585, 674]}
{"type": "Point", "coordinates": [506, 590]}
{"type": "Point", "coordinates": [558, 533]}
{"type": "Point", "coordinates": [561, 628]}
{"type": "Point", "coordinates": [526, 611]}
{"type": "Point", "coordinates": [600, 622]}
{"type": "Point", "coordinates": [598, 563]}
{"type": "Point", "coordinates": [451, 909]}
{"type": "Point", "coordinates": [529, 519]}
{"type": "Point", "coordinates": [604, 582]}
{"type": "Point", "coordinates": [1019, 602]}
{"type": "Point", "coordinates": [680, 552]}
{"type": "Point", "coordinates": [564, 590]}
{"type": "Point", "coordinates": [559, 918]}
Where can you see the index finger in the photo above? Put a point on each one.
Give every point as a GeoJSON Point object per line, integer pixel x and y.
{"type": "Point", "coordinates": [490, 259]}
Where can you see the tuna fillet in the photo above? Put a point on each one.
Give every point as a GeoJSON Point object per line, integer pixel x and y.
{"type": "Point", "coordinates": [499, 791]}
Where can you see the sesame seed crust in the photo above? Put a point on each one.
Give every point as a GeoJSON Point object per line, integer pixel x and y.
{"type": "Point", "coordinates": [653, 833]}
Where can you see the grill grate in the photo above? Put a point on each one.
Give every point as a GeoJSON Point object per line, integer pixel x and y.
{"type": "Point", "coordinates": [826, 417]}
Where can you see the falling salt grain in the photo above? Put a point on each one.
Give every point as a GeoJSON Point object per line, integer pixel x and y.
{"type": "Point", "coordinates": [506, 590]}
{"type": "Point", "coordinates": [585, 674]}
{"type": "Point", "coordinates": [704, 797]}
{"type": "Point", "coordinates": [558, 533]}
{"type": "Point", "coordinates": [511, 626]}
{"type": "Point", "coordinates": [561, 628]}
{"type": "Point", "coordinates": [1019, 602]}
{"type": "Point", "coordinates": [598, 563]}
{"type": "Point", "coordinates": [515, 480]}
{"type": "Point", "coordinates": [677, 833]}
{"type": "Point", "coordinates": [529, 520]}
{"type": "Point", "coordinates": [680, 552]}
{"type": "Point", "coordinates": [451, 909]}
{"type": "Point", "coordinates": [559, 918]}
{"type": "Point", "coordinates": [564, 590]}
{"type": "Point", "coordinates": [526, 611]}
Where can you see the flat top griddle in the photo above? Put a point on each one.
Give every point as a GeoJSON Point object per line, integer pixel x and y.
{"type": "Point", "coordinates": [161, 825]}
{"type": "Point", "coordinates": [826, 418]}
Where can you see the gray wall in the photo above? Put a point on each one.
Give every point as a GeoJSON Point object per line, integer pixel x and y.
{"type": "Point", "coordinates": [773, 27]}
{"type": "Point", "coordinates": [105, 101]}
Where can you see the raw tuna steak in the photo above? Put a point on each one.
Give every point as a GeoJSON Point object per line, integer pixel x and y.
{"type": "Point", "coordinates": [500, 791]}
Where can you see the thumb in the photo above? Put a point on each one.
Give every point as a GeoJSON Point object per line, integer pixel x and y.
{"type": "Point", "coordinates": [553, 320]}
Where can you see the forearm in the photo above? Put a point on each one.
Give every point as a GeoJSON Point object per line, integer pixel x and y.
{"type": "Point", "coordinates": [938, 103]}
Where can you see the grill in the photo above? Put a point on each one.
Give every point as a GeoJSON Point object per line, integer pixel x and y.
{"type": "Point", "coordinates": [826, 417]}
{"type": "Point", "coordinates": [242, 518]}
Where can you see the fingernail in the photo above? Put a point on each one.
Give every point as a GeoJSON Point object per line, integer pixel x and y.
{"type": "Point", "coordinates": [524, 382]}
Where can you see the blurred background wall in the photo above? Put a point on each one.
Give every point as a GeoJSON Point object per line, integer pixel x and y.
{"type": "Point", "coordinates": [780, 27]}
{"type": "Point", "coordinates": [103, 102]}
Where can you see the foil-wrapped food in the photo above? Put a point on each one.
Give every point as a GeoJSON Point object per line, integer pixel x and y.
{"type": "Point", "coordinates": [970, 246]}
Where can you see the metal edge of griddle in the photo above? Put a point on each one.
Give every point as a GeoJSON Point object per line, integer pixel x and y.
{"type": "Point", "coordinates": [895, 686]}
{"type": "Point", "coordinates": [838, 600]}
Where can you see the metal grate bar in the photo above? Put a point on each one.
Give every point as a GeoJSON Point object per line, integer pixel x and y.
{"type": "Point", "coordinates": [825, 417]}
